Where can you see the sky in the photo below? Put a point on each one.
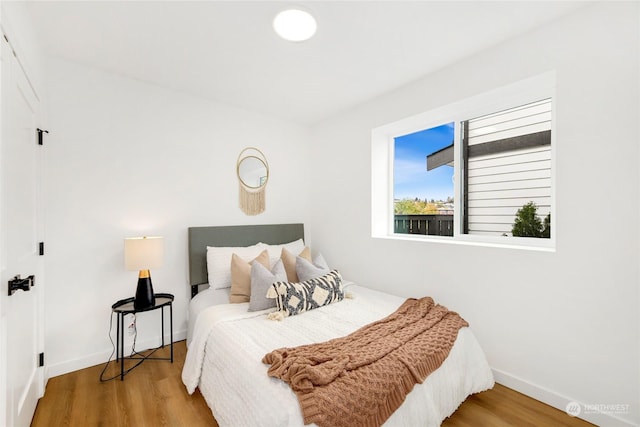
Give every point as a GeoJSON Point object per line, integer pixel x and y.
{"type": "Point", "coordinates": [410, 176]}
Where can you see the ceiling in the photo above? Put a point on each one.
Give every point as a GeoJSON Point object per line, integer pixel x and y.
{"type": "Point", "coordinates": [228, 52]}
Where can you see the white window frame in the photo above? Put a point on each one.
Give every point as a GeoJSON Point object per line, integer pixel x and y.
{"type": "Point", "coordinates": [382, 155]}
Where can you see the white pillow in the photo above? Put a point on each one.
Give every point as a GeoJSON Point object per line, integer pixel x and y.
{"type": "Point", "coordinates": [219, 262]}
{"type": "Point", "coordinates": [275, 251]}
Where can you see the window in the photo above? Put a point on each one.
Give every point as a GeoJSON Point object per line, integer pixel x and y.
{"type": "Point", "coordinates": [507, 172]}
{"type": "Point", "coordinates": [422, 195]}
{"type": "Point", "coordinates": [478, 171]}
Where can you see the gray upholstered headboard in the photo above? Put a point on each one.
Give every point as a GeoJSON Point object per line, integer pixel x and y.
{"type": "Point", "coordinates": [234, 235]}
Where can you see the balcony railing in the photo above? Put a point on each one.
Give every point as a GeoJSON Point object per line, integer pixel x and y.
{"type": "Point", "coordinates": [432, 225]}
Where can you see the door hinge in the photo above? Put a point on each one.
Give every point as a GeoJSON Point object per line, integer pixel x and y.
{"type": "Point", "coordinates": [40, 360]}
{"type": "Point", "coordinates": [41, 248]}
{"type": "Point", "coordinates": [40, 132]}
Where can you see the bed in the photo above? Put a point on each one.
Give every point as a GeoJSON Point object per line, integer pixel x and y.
{"type": "Point", "coordinates": [226, 344]}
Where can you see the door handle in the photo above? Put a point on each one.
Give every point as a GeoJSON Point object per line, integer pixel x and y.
{"type": "Point", "coordinates": [18, 283]}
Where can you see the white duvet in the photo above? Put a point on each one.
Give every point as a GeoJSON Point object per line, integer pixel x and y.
{"type": "Point", "coordinates": [225, 361]}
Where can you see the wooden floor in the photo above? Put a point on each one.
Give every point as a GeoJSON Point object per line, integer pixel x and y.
{"type": "Point", "coordinates": [153, 395]}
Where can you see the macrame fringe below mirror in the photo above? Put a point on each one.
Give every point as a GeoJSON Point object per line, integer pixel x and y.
{"type": "Point", "coordinates": [252, 202]}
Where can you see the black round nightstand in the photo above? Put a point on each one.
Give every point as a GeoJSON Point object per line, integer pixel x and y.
{"type": "Point", "coordinates": [121, 309]}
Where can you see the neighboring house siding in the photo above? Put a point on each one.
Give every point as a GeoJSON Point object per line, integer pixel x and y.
{"type": "Point", "coordinates": [501, 183]}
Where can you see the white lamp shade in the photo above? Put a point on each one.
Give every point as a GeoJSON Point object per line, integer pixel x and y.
{"type": "Point", "coordinates": [143, 253]}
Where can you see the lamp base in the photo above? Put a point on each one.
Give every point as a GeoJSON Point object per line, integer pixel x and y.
{"type": "Point", "coordinates": [144, 292]}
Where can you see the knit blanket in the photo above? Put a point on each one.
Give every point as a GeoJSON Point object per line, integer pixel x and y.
{"type": "Point", "coordinates": [362, 378]}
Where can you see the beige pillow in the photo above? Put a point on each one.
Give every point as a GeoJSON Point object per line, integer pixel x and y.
{"type": "Point", "coordinates": [289, 261]}
{"type": "Point", "coordinates": [241, 276]}
{"type": "Point", "coordinates": [275, 251]}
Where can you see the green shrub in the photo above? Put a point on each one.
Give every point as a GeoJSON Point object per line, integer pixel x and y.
{"type": "Point", "coordinates": [528, 224]}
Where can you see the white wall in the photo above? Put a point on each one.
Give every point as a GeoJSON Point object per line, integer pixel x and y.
{"type": "Point", "coordinates": [127, 159]}
{"type": "Point", "coordinates": [558, 326]}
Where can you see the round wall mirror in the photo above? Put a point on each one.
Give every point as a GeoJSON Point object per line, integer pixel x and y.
{"type": "Point", "coordinates": [253, 172]}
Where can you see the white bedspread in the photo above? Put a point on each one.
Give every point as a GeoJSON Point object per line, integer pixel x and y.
{"type": "Point", "coordinates": [228, 343]}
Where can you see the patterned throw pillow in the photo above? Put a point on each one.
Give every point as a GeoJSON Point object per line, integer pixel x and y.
{"type": "Point", "coordinates": [295, 298]}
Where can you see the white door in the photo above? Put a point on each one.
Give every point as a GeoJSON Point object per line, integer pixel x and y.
{"type": "Point", "coordinates": [21, 338]}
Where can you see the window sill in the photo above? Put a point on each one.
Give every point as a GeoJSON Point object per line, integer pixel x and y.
{"type": "Point", "coordinates": [519, 244]}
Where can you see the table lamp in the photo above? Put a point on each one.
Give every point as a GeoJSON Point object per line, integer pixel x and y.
{"type": "Point", "coordinates": [143, 254]}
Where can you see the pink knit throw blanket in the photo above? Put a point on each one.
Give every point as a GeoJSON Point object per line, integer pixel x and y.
{"type": "Point", "coordinates": [362, 378]}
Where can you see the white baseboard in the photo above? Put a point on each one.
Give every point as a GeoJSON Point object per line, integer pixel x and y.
{"type": "Point", "coordinates": [102, 357]}
{"type": "Point", "coordinates": [559, 401]}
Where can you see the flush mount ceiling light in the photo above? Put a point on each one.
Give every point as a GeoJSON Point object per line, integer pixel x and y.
{"type": "Point", "coordinates": [295, 25]}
